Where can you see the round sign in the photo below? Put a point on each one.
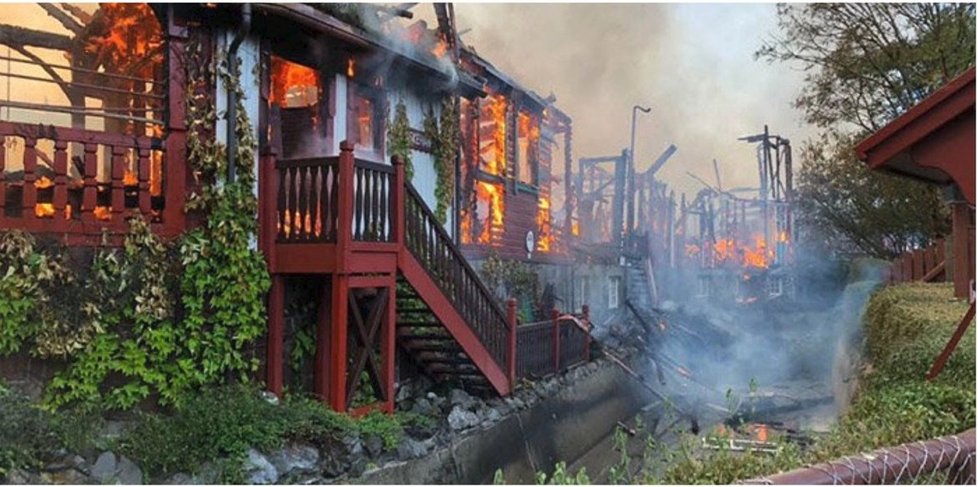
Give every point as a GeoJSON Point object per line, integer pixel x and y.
{"type": "Point", "coordinates": [530, 241]}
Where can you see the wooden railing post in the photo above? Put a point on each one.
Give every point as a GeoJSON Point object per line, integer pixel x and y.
{"type": "Point", "coordinates": [554, 314]}
{"type": "Point", "coordinates": [397, 197]}
{"type": "Point", "coordinates": [512, 322]}
{"type": "Point", "coordinates": [344, 211]}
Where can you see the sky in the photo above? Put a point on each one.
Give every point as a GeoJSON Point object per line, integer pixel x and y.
{"type": "Point", "coordinates": [692, 63]}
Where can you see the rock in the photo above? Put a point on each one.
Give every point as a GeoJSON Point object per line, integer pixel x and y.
{"type": "Point", "coordinates": [69, 476]}
{"type": "Point", "coordinates": [334, 465]}
{"type": "Point", "coordinates": [295, 458]}
{"type": "Point", "coordinates": [21, 477]}
{"type": "Point", "coordinates": [104, 468]}
{"type": "Point", "coordinates": [127, 472]}
{"type": "Point", "coordinates": [180, 478]}
{"type": "Point", "coordinates": [258, 470]}
{"type": "Point", "coordinates": [436, 401]}
{"type": "Point", "coordinates": [493, 415]}
{"type": "Point", "coordinates": [411, 448]}
{"type": "Point", "coordinates": [374, 445]}
{"type": "Point", "coordinates": [423, 407]}
{"type": "Point", "coordinates": [462, 399]}
{"type": "Point", "coordinates": [209, 473]}
{"type": "Point", "coordinates": [460, 419]}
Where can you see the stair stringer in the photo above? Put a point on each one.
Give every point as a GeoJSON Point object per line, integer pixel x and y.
{"type": "Point", "coordinates": [443, 309]}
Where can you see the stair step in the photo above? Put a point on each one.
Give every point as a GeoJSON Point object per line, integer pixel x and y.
{"type": "Point", "coordinates": [420, 324]}
{"type": "Point", "coordinates": [449, 348]}
{"type": "Point", "coordinates": [412, 310]}
{"type": "Point", "coordinates": [417, 336]}
{"type": "Point", "coordinates": [454, 369]}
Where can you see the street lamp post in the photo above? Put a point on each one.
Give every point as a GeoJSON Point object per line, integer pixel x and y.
{"type": "Point", "coordinates": [630, 183]}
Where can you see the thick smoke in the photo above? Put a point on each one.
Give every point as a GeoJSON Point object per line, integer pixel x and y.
{"type": "Point", "coordinates": [693, 64]}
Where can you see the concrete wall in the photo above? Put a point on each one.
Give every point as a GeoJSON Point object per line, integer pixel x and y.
{"type": "Point", "coordinates": [562, 427]}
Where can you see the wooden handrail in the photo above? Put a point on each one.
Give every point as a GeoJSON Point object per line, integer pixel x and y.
{"type": "Point", "coordinates": [493, 328]}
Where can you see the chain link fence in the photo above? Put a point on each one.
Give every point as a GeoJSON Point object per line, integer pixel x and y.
{"type": "Point", "coordinates": [944, 460]}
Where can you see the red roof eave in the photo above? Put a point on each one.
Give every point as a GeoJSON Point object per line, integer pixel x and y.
{"type": "Point", "coordinates": [919, 121]}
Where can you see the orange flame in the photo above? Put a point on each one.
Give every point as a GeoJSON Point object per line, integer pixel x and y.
{"type": "Point", "coordinates": [351, 68]}
{"type": "Point", "coordinates": [293, 84]}
{"type": "Point", "coordinates": [546, 239]}
{"type": "Point", "coordinates": [494, 118]}
{"type": "Point", "coordinates": [440, 49]}
{"type": "Point", "coordinates": [43, 210]}
{"type": "Point", "coordinates": [493, 226]}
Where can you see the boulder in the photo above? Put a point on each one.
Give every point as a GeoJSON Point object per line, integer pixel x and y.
{"type": "Point", "coordinates": [460, 419]}
{"type": "Point", "coordinates": [127, 472]}
{"type": "Point", "coordinates": [411, 448]}
{"type": "Point", "coordinates": [295, 458]}
{"type": "Point", "coordinates": [258, 470]}
{"type": "Point", "coordinates": [104, 467]}
{"type": "Point", "coordinates": [462, 399]}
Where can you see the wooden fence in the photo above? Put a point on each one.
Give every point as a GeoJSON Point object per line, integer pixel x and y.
{"type": "Point", "coordinates": [926, 265]}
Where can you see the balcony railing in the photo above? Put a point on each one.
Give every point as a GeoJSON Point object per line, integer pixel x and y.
{"type": "Point", "coordinates": [51, 182]}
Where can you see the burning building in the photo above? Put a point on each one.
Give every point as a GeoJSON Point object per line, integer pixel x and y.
{"type": "Point", "coordinates": [95, 131]}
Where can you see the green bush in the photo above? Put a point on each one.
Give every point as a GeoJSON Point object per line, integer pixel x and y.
{"type": "Point", "coordinates": [30, 435]}
{"type": "Point", "coordinates": [221, 424]}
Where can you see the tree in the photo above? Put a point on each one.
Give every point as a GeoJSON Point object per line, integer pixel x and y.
{"type": "Point", "coordinates": [865, 65]}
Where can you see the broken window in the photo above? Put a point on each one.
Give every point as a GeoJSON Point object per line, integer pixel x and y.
{"type": "Point", "coordinates": [528, 136]}
{"type": "Point", "coordinates": [367, 118]}
{"type": "Point", "coordinates": [297, 93]}
{"type": "Point", "coordinates": [492, 135]}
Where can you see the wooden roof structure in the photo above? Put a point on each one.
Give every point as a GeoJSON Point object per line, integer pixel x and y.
{"type": "Point", "coordinates": [934, 141]}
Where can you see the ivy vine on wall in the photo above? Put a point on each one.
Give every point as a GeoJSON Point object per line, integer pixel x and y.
{"type": "Point", "coordinates": [399, 138]}
{"type": "Point", "coordinates": [150, 320]}
{"type": "Point", "coordinates": [444, 143]}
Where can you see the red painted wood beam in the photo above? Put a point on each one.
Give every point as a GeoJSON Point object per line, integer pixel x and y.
{"type": "Point", "coordinates": [321, 373]}
{"type": "Point", "coordinates": [337, 343]}
{"type": "Point", "coordinates": [942, 359]}
{"type": "Point", "coordinates": [276, 332]}
{"type": "Point", "coordinates": [963, 269]}
{"type": "Point", "coordinates": [444, 310]}
{"type": "Point", "coordinates": [512, 321]}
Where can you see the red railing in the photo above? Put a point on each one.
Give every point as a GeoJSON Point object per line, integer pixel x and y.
{"type": "Point", "coordinates": [549, 347]}
{"type": "Point", "coordinates": [919, 265]}
{"type": "Point", "coordinates": [51, 182]}
{"type": "Point", "coordinates": [430, 244]}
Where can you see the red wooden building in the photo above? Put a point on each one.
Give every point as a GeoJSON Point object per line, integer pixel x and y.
{"type": "Point", "coordinates": [934, 142]}
{"type": "Point", "coordinates": [334, 209]}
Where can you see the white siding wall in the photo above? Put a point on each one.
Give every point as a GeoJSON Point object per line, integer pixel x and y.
{"type": "Point", "coordinates": [248, 53]}
{"type": "Point", "coordinates": [425, 177]}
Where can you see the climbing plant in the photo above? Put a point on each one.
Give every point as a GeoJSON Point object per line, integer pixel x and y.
{"type": "Point", "coordinates": [176, 317]}
{"type": "Point", "coordinates": [444, 144]}
{"type": "Point", "coordinates": [399, 138]}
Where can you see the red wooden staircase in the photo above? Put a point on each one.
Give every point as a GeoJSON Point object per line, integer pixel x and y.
{"type": "Point", "coordinates": [395, 278]}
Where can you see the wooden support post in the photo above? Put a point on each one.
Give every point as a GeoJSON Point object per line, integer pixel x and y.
{"type": "Point", "coordinates": [324, 322]}
{"type": "Point", "coordinates": [554, 314]}
{"type": "Point", "coordinates": [337, 342]}
{"type": "Point", "coordinates": [30, 177]}
{"type": "Point", "coordinates": [60, 197]}
{"type": "Point", "coordinates": [90, 189]}
{"type": "Point", "coordinates": [512, 322]}
{"type": "Point", "coordinates": [276, 332]}
{"type": "Point", "coordinates": [177, 178]}
{"type": "Point", "coordinates": [962, 268]}
{"type": "Point", "coordinates": [397, 195]}
{"type": "Point", "coordinates": [390, 351]}
{"type": "Point", "coordinates": [938, 366]}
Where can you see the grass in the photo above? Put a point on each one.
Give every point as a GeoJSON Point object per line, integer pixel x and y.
{"type": "Point", "coordinates": [905, 327]}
